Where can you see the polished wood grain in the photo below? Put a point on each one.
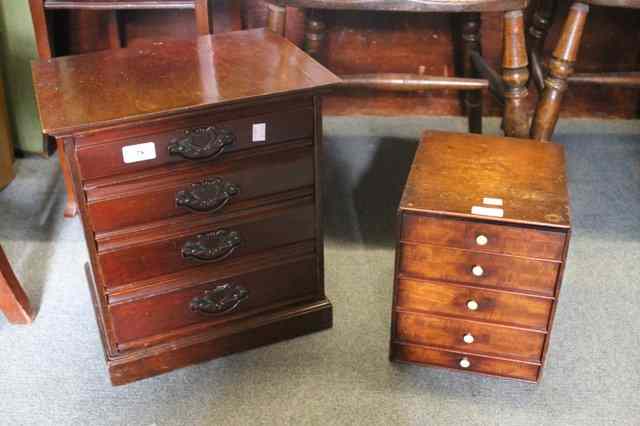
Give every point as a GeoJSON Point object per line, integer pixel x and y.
{"type": "Point", "coordinates": [171, 311]}
{"type": "Point", "coordinates": [460, 170]}
{"type": "Point", "coordinates": [140, 256]}
{"type": "Point", "coordinates": [248, 246]}
{"type": "Point", "coordinates": [500, 239]}
{"type": "Point", "coordinates": [14, 303]}
{"type": "Point", "coordinates": [478, 364]}
{"type": "Point", "coordinates": [506, 272]}
{"type": "Point", "coordinates": [478, 292]}
{"type": "Point", "coordinates": [409, 5]}
{"type": "Point", "coordinates": [105, 158]}
{"type": "Point", "coordinates": [498, 307]}
{"type": "Point", "coordinates": [113, 87]}
{"type": "Point", "coordinates": [448, 333]}
{"type": "Point", "coordinates": [259, 180]}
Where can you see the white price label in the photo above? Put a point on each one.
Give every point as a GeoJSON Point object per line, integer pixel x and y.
{"type": "Point", "coordinates": [259, 132]}
{"type": "Point", "coordinates": [492, 201]}
{"type": "Point", "coordinates": [139, 152]}
{"type": "Point", "coordinates": [487, 211]}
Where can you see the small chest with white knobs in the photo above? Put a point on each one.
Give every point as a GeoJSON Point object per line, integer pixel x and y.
{"type": "Point", "coordinates": [483, 232]}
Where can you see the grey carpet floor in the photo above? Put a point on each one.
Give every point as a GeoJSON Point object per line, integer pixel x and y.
{"type": "Point", "coordinates": [54, 373]}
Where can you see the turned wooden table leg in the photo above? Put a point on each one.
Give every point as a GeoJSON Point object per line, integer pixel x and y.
{"type": "Point", "coordinates": [471, 42]}
{"type": "Point", "coordinates": [13, 300]}
{"type": "Point", "coordinates": [277, 18]}
{"type": "Point", "coordinates": [314, 33]}
{"type": "Point", "coordinates": [540, 24]}
{"type": "Point", "coordinates": [515, 74]}
{"type": "Point", "coordinates": [71, 207]}
{"type": "Point", "coordinates": [560, 68]}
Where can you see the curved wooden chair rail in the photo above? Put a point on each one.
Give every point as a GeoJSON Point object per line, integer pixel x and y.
{"type": "Point", "coordinates": [510, 86]}
{"type": "Point", "coordinates": [554, 81]}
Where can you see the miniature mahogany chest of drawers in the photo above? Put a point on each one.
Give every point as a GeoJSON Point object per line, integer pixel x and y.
{"type": "Point", "coordinates": [196, 166]}
{"type": "Point", "coordinates": [482, 240]}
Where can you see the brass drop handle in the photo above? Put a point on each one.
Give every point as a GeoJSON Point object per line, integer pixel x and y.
{"type": "Point", "coordinates": [209, 195]}
{"type": "Point", "coordinates": [201, 142]}
{"type": "Point", "coordinates": [221, 300]}
{"type": "Point", "coordinates": [213, 246]}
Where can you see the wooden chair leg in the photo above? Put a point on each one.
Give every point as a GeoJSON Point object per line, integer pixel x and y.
{"type": "Point", "coordinates": [560, 68]}
{"type": "Point", "coordinates": [314, 33]}
{"type": "Point", "coordinates": [540, 24]}
{"type": "Point", "coordinates": [203, 17]}
{"type": "Point", "coordinates": [277, 19]}
{"type": "Point", "coordinates": [13, 300]}
{"type": "Point", "coordinates": [71, 208]}
{"type": "Point", "coordinates": [471, 42]}
{"type": "Point", "coordinates": [515, 74]}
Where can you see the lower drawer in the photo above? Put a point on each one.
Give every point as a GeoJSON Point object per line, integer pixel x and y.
{"type": "Point", "coordinates": [469, 336]}
{"type": "Point", "coordinates": [187, 246]}
{"type": "Point", "coordinates": [474, 303]}
{"type": "Point", "coordinates": [460, 361]}
{"type": "Point", "coordinates": [216, 301]}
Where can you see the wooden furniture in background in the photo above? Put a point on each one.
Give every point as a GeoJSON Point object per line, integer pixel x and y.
{"type": "Point", "coordinates": [14, 302]}
{"type": "Point", "coordinates": [561, 65]}
{"type": "Point", "coordinates": [511, 87]}
{"type": "Point", "coordinates": [198, 163]}
{"type": "Point", "coordinates": [482, 242]}
{"type": "Point", "coordinates": [7, 172]}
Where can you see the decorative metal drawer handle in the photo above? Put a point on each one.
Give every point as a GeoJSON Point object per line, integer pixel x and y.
{"type": "Point", "coordinates": [202, 142]}
{"type": "Point", "coordinates": [221, 300]}
{"type": "Point", "coordinates": [210, 195]}
{"type": "Point", "coordinates": [212, 246]}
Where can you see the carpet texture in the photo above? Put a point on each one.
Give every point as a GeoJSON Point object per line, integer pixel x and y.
{"type": "Point", "coordinates": [53, 372]}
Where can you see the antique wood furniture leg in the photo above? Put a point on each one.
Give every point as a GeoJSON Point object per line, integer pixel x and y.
{"type": "Point", "coordinates": [203, 17]}
{"type": "Point", "coordinates": [276, 18]}
{"type": "Point", "coordinates": [515, 73]}
{"type": "Point", "coordinates": [71, 206]}
{"type": "Point", "coordinates": [13, 300]}
{"type": "Point", "coordinates": [314, 33]}
{"type": "Point", "coordinates": [540, 24]}
{"type": "Point", "coordinates": [560, 68]}
{"type": "Point", "coordinates": [471, 43]}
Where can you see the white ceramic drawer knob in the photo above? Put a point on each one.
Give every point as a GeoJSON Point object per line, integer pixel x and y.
{"type": "Point", "coordinates": [472, 305]}
{"type": "Point", "coordinates": [465, 363]}
{"type": "Point", "coordinates": [468, 338]}
{"type": "Point", "coordinates": [482, 240]}
{"type": "Point", "coordinates": [477, 271]}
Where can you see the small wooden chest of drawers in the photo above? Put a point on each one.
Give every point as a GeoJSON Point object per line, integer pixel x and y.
{"type": "Point", "coordinates": [483, 232]}
{"type": "Point", "coordinates": [196, 165]}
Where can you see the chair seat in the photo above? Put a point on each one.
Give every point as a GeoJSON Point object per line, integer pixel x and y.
{"type": "Point", "coordinates": [630, 4]}
{"type": "Point", "coordinates": [412, 5]}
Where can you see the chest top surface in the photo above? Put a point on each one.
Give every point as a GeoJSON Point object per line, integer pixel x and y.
{"type": "Point", "coordinates": [453, 173]}
{"type": "Point", "coordinates": [122, 85]}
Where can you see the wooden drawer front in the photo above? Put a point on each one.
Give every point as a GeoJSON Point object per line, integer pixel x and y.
{"type": "Point", "coordinates": [164, 256]}
{"type": "Point", "coordinates": [214, 302]}
{"type": "Point", "coordinates": [106, 159]}
{"type": "Point", "coordinates": [479, 364]}
{"type": "Point", "coordinates": [497, 238]}
{"type": "Point", "coordinates": [486, 339]}
{"type": "Point", "coordinates": [494, 306]}
{"type": "Point", "coordinates": [229, 188]}
{"type": "Point", "coordinates": [441, 263]}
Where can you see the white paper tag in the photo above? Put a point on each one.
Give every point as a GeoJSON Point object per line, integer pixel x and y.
{"type": "Point", "coordinates": [139, 152]}
{"type": "Point", "coordinates": [492, 201]}
{"type": "Point", "coordinates": [487, 211]}
{"type": "Point", "coordinates": [259, 132]}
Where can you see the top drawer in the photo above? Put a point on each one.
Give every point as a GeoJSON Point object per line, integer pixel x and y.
{"type": "Point", "coordinates": [480, 236]}
{"type": "Point", "coordinates": [202, 138]}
